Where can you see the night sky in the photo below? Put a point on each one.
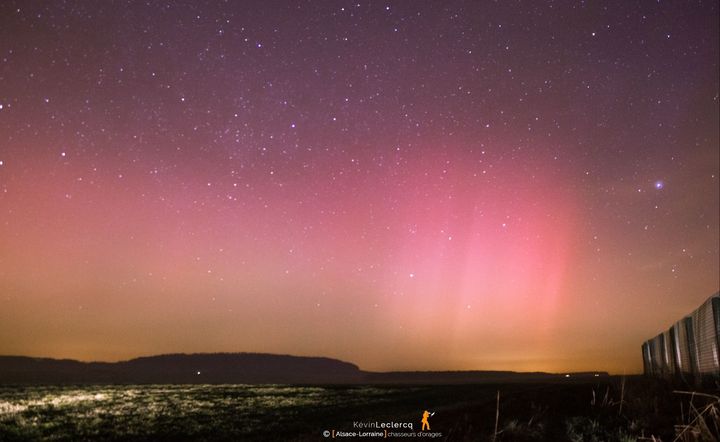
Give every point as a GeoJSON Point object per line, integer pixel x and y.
{"type": "Point", "coordinates": [403, 185]}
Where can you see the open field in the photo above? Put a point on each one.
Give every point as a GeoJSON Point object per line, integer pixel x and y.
{"type": "Point", "coordinates": [530, 411]}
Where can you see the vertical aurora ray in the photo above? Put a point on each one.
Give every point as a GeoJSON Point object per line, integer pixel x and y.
{"type": "Point", "coordinates": [415, 187]}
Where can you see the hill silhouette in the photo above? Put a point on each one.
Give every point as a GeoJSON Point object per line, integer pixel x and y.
{"type": "Point", "coordinates": [240, 368]}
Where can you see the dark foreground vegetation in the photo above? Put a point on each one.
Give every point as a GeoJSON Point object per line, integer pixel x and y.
{"type": "Point", "coordinates": [618, 409]}
{"type": "Point", "coordinates": [608, 409]}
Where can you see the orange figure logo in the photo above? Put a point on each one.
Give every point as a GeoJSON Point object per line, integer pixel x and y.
{"type": "Point", "coordinates": [425, 423]}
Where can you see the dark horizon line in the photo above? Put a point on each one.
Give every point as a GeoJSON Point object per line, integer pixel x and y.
{"type": "Point", "coordinates": [327, 358]}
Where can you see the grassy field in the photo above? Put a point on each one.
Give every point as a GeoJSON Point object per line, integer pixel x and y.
{"type": "Point", "coordinates": [608, 410]}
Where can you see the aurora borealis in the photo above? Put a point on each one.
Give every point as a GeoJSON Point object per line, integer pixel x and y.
{"type": "Point", "coordinates": [403, 185]}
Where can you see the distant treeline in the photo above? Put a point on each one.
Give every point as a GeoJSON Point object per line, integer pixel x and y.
{"type": "Point", "coordinates": [241, 368]}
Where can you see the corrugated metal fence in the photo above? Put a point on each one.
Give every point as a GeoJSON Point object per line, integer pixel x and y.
{"type": "Point", "coordinates": [690, 349]}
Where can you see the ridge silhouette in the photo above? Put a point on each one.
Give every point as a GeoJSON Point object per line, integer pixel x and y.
{"type": "Point", "coordinates": [241, 368]}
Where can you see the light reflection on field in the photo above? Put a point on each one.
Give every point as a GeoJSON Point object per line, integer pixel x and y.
{"type": "Point", "coordinates": [144, 412]}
